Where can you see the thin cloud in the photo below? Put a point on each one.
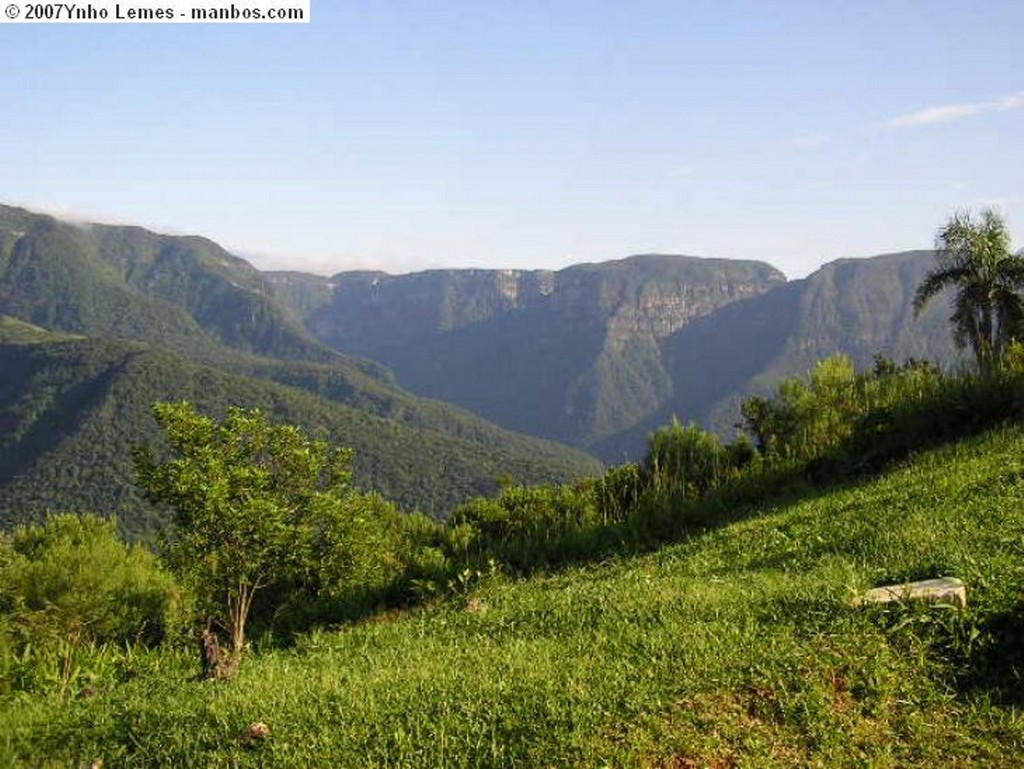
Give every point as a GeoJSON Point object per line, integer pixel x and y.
{"type": "Point", "coordinates": [1013, 101]}
{"type": "Point", "coordinates": [949, 112]}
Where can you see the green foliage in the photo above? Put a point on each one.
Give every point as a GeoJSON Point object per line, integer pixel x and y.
{"type": "Point", "coordinates": [687, 459]}
{"type": "Point", "coordinates": [975, 259]}
{"type": "Point", "coordinates": [734, 646]}
{"type": "Point", "coordinates": [361, 556]}
{"type": "Point", "coordinates": [193, 322]}
{"type": "Point", "coordinates": [838, 424]}
{"type": "Point", "coordinates": [71, 411]}
{"type": "Point", "coordinates": [14, 331]}
{"type": "Point", "coordinates": [526, 526]}
{"type": "Point", "coordinates": [70, 586]}
{"type": "Point", "coordinates": [804, 421]}
{"type": "Point", "coordinates": [254, 505]}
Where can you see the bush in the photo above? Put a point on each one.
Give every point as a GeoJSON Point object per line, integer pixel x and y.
{"type": "Point", "coordinates": [687, 460]}
{"type": "Point", "coordinates": [805, 421]}
{"type": "Point", "coordinates": [525, 526]}
{"type": "Point", "coordinates": [72, 584]}
{"type": "Point", "coordinates": [74, 574]}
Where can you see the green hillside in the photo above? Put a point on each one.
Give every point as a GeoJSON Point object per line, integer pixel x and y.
{"type": "Point", "coordinates": [736, 646]}
{"type": "Point", "coordinates": [184, 293]}
{"type": "Point", "coordinates": [148, 317]}
{"type": "Point", "coordinates": [71, 411]}
{"type": "Point", "coordinates": [595, 355]}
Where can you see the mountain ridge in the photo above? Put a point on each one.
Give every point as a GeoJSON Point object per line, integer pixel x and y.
{"type": "Point", "coordinates": [570, 354]}
{"type": "Point", "coordinates": [598, 355]}
{"type": "Point", "coordinates": [595, 355]}
{"type": "Point", "coordinates": [76, 297]}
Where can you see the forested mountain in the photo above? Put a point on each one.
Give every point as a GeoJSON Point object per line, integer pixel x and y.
{"type": "Point", "coordinates": [72, 409]}
{"type": "Point", "coordinates": [859, 307]}
{"type": "Point", "coordinates": [596, 355]}
{"type": "Point", "coordinates": [183, 293]}
{"type": "Point", "coordinates": [600, 355]}
{"type": "Point", "coordinates": [122, 317]}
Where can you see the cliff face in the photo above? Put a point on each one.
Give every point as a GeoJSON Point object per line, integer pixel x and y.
{"type": "Point", "coordinates": [858, 307]}
{"type": "Point", "coordinates": [600, 355]}
{"type": "Point", "coordinates": [573, 355]}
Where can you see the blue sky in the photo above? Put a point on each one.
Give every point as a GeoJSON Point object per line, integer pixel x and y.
{"type": "Point", "coordinates": [404, 135]}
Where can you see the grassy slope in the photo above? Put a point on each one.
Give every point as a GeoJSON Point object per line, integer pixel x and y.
{"type": "Point", "coordinates": [734, 647]}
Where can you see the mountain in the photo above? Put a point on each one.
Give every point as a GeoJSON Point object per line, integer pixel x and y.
{"type": "Point", "coordinates": [595, 355]}
{"type": "Point", "coordinates": [183, 293]}
{"type": "Point", "coordinates": [102, 321]}
{"type": "Point", "coordinates": [858, 307]}
{"type": "Point", "coordinates": [73, 408]}
{"type": "Point", "coordinates": [599, 356]}
{"type": "Point", "coordinates": [572, 355]}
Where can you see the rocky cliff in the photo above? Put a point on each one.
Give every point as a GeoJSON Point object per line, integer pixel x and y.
{"type": "Point", "coordinates": [573, 355]}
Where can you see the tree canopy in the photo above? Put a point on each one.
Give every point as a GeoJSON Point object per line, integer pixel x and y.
{"type": "Point", "coordinates": [250, 502]}
{"type": "Point", "coordinates": [975, 258]}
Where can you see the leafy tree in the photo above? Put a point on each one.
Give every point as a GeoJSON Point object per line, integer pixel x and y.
{"type": "Point", "coordinates": [253, 504]}
{"type": "Point", "coordinates": [974, 257]}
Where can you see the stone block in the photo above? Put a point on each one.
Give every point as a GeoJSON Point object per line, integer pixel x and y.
{"type": "Point", "coordinates": [948, 590]}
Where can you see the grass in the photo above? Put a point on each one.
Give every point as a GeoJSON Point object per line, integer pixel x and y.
{"type": "Point", "coordinates": [735, 647]}
{"type": "Point", "coordinates": [14, 331]}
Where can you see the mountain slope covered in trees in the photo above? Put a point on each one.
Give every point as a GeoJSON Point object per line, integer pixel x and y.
{"type": "Point", "coordinates": [72, 409]}
{"type": "Point", "coordinates": [595, 355]}
{"type": "Point", "coordinates": [857, 307]}
{"type": "Point", "coordinates": [100, 322]}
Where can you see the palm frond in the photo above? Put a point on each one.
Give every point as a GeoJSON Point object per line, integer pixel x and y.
{"type": "Point", "coordinates": [937, 281]}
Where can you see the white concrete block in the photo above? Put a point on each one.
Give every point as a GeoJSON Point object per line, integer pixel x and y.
{"type": "Point", "coordinates": [943, 590]}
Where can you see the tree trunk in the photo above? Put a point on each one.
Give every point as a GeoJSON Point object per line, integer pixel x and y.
{"type": "Point", "coordinates": [217, 662]}
{"type": "Point", "coordinates": [238, 614]}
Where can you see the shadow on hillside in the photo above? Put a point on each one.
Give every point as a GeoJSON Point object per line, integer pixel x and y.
{"type": "Point", "coordinates": [996, 667]}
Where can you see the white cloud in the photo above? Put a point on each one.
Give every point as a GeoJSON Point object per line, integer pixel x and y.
{"type": "Point", "coordinates": [1013, 101]}
{"type": "Point", "coordinates": [949, 112]}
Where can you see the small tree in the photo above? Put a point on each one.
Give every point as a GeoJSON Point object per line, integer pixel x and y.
{"type": "Point", "coordinates": [974, 257]}
{"type": "Point", "coordinates": [247, 497]}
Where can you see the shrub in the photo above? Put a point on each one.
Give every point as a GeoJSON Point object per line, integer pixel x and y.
{"type": "Point", "coordinates": [525, 526]}
{"type": "Point", "coordinates": [74, 574]}
{"type": "Point", "coordinates": [72, 585]}
{"type": "Point", "coordinates": [686, 459]}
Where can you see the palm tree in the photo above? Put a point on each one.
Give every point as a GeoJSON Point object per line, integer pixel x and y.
{"type": "Point", "coordinates": [974, 257]}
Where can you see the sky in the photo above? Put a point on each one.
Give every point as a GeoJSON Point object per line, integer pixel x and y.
{"type": "Point", "coordinates": [409, 135]}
